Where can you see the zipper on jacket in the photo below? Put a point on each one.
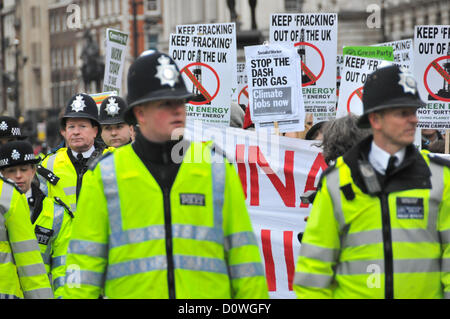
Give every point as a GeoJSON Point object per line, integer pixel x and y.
{"type": "Point", "coordinates": [169, 243]}
{"type": "Point", "coordinates": [387, 247]}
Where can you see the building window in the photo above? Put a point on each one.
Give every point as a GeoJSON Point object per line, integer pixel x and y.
{"type": "Point", "coordinates": [152, 6]}
{"type": "Point", "coordinates": [35, 17]}
{"type": "Point", "coordinates": [35, 53]}
{"type": "Point", "coordinates": [292, 5]}
{"type": "Point", "coordinates": [153, 41]}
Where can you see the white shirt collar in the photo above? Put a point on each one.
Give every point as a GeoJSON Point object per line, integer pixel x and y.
{"type": "Point", "coordinates": [29, 193]}
{"type": "Point", "coordinates": [379, 158]}
{"type": "Point", "coordinates": [86, 154]}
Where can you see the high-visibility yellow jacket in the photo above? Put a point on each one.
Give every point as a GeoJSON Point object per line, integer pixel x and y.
{"type": "Point", "coordinates": [22, 272]}
{"type": "Point", "coordinates": [52, 228]}
{"type": "Point", "coordinates": [125, 224]}
{"type": "Point", "coordinates": [66, 189]}
{"type": "Point", "coordinates": [391, 245]}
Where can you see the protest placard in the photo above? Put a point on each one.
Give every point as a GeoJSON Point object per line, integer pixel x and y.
{"type": "Point", "coordinates": [216, 29]}
{"type": "Point", "coordinates": [402, 52]}
{"type": "Point", "coordinates": [205, 63]}
{"type": "Point", "coordinates": [382, 53]}
{"type": "Point", "coordinates": [432, 72]}
{"type": "Point", "coordinates": [274, 86]}
{"type": "Point", "coordinates": [115, 53]}
{"type": "Point", "coordinates": [314, 38]}
{"type": "Point", "coordinates": [339, 68]}
{"type": "Point", "coordinates": [242, 85]}
{"type": "Point", "coordinates": [354, 75]}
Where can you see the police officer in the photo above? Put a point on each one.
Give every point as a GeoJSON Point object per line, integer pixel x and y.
{"type": "Point", "coordinates": [379, 226]}
{"type": "Point", "coordinates": [115, 131]}
{"type": "Point", "coordinates": [80, 127]}
{"type": "Point", "coordinates": [22, 272]}
{"type": "Point", "coordinates": [10, 130]}
{"type": "Point", "coordinates": [155, 225]}
{"type": "Point", "coordinates": [51, 219]}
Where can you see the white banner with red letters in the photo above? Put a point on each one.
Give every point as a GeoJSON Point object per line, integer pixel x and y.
{"type": "Point", "coordinates": [274, 171]}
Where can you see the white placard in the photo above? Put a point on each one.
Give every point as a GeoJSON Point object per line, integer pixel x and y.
{"type": "Point", "coordinates": [274, 85]}
{"type": "Point", "coordinates": [432, 73]}
{"type": "Point", "coordinates": [354, 75]}
{"type": "Point", "coordinates": [205, 63]}
{"type": "Point", "coordinates": [115, 53]}
{"type": "Point", "coordinates": [314, 37]}
{"type": "Point", "coordinates": [403, 52]}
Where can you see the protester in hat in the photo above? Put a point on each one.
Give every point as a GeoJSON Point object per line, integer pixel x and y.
{"type": "Point", "coordinates": [10, 130]}
{"type": "Point", "coordinates": [315, 132]}
{"type": "Point", "coordinates": [429, 136]}
{"type": "Point", "coordinates": [163, 218]}
{"type": "Point", "coordinates": [51, 218]}
{"type": "Point", "coordinates": [80, 127]}
{"type": "Point", "coordinates": [237, 115]}
{"type": "Point", "coordinates": [379, 224]}
{"type": "Point", "coordinates": [115, 131]}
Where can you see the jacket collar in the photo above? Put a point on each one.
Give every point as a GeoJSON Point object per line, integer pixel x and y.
{"type": "Point", "coordinates": [413, 172]}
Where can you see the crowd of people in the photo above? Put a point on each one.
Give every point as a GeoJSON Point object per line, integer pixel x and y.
{"type": "Point", "coordinates": [111, 214]}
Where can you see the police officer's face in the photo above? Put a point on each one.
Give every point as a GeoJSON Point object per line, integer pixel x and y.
{"type": "Point", "coordinates": [116, 135]}
{"type": "Point", "coordinates": [80, 134]}
{"type": "Point", "coordinates": [395, 128]}
{"type": "Point", "coordinates": [158, 120]}
{"type": "Point", "coordinates": [22, 175]}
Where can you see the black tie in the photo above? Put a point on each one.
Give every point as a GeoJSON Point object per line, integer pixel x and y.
{"type": "Point", "coordinates": [391, 165]}
{"type": "Point", "coordinates": [80, 158]}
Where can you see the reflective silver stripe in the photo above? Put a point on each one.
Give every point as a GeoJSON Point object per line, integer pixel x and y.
{"type": "Point", "coordinates": [400, 266]}
{"type": "Point", "coordinates": [218, 173]}
{"type": "Point", "coordinates": [6, 258]}
{"type": "Point", "coordinates": [312, 280]}
{"type": "Point", "coordinates": [111, 191]}
{"type": "Point", "coordinates": [436, 192]}
{"type": "Point", "coordinates": [58, 261]}
{"type": "Point", "coordinates": [88, 248]}
{"type": "Point", "coordinates": [6, 197]}
{"type": "Point", "coordinates": [447, 295]}
{"type": "Point", "coordinates": [43, 293]}
{"type": "Point", "coordinates": [73, 207]}
{"type": "Point", "coordinates": [25, 246]}
{"type": "Point", "coordinates": [136, 266]}
{"type": "Point", "coordinates": [445, 236]}
{"type": "Point", "coordinates": [333, 187]}
{"type": "Point", "coordinates": [445, 265]}
{"type": "Point", "coordinates": [51, 162]}
{"type": "Point", "coordinates": [197, 233]}
{"type": "Point", "coordinates": [214, 265]}
{"type": "Point", "coordinates": [6, 296]}
{"type": "Point", "coordinates": [239, 240]}
{"type": "Point", "coordinates": [133, 236]}
{"type": "Point", "coordinates": [246, 270]}
{"type": "Point", "coordinates": [3, 233]}
{"type": "Point", "coordinates": [42, 184]}
{"type": "Point", "coordinates": [416, 235]}
{"type": "Point", "coordinates": [59, 282]}
{"type": "Point", "coordinates": [71, 190]}
{"type": "Point", "coordinates": [319, 253]}
{"type": "Point", "coordinates": [90, 278]}
{"type": "Point", "coordinates": [31, 270]}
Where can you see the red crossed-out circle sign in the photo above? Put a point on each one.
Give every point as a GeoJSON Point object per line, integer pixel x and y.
{"type": "Point", "coordinates": [208, 97]}
{"type": "Point", "coordinates": [358, 92]}
{"type": "Point", "coordinates": [435, 65]}
{"type": "Point", "coordinates": [242, 94]}
{"type": "Point", "coordinates": [305, 69]}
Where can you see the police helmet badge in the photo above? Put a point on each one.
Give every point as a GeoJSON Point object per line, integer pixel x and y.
{"type": "Point", "coordinates": [78, 104]}
{"type": "Point", "coordinates": [407, 81]}
{"type": "Point", "coordinates": [15, 155]}
{"type": "Point", "coordinates": [167, 73]}
{"type": "Point", "coordinates": [3, 126]}
{"type": "Point", "coordinates": [112, 108]}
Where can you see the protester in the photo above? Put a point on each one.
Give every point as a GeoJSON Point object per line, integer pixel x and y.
{"type": "Point", "coordinates": [115, 132]}
{"type": "Point", "coordinates": [236, 116]}
{"type": "Point", "coordinates": [437, 146]}
{"type": "Point", "coordinates": [315, 132]}
{"type": "Point", "coordinates": [156, 223]}
{"type": "Point", "coordinates": [340, 135]}
{"type": "Point", "coordinates": [80, 127]}
{"type": "Point", "coordinates": [429, 136]}
{"type": "Point", "coordinates": [50, 218]}
{"type": "Point", "coordinates": [348, 251]}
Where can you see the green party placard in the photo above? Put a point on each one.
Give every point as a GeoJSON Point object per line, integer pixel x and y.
{"type": "Point", "coordinates": [381, 53]}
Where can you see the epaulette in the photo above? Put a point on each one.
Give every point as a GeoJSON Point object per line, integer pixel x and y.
{"type": "Point", "coordinates": [94, 163]}
{"type": "Point", "coordinates": [438, 159]}
{"type": "Point", "coordinates": [12, 183]}
{"type": "Point", "coordinates": [61, 203]}
{"type": "Point", "coordinates": [48, 175]}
